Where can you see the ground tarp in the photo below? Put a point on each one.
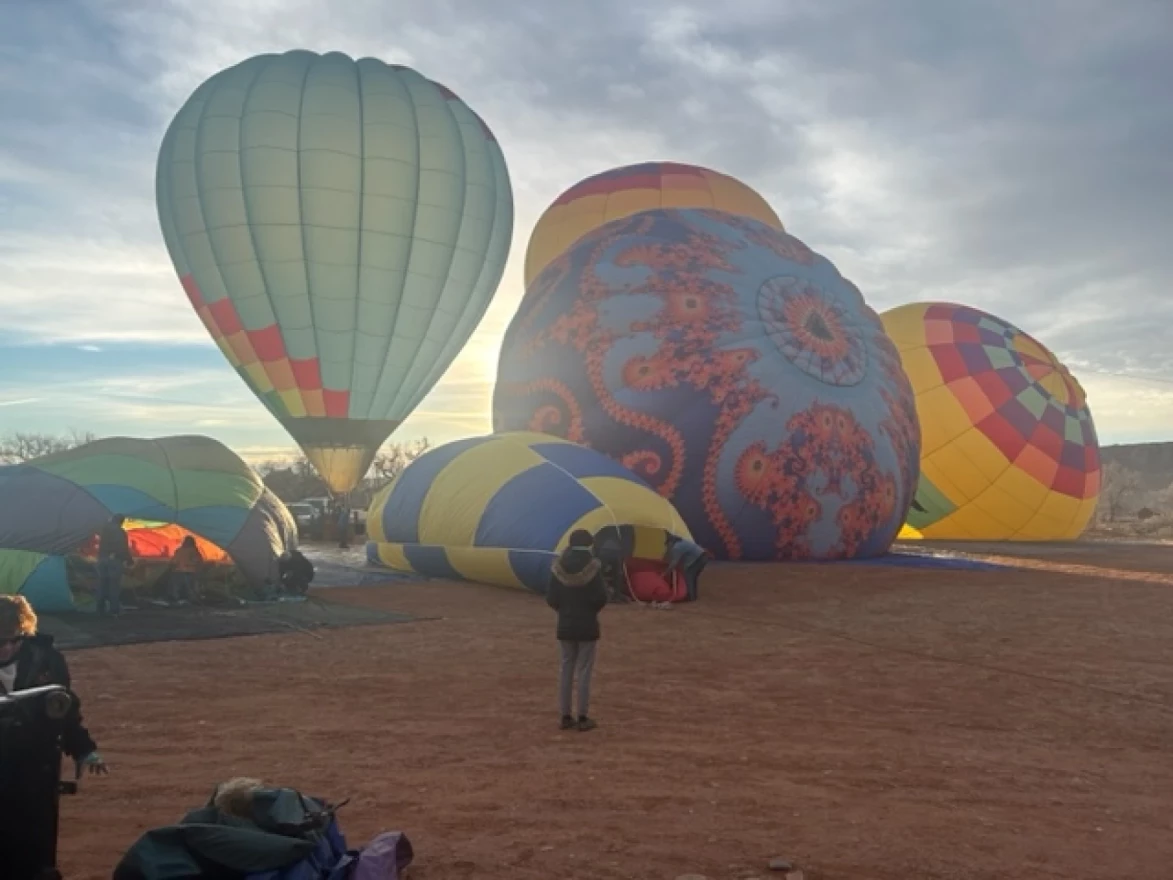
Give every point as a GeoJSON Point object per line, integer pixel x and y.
{"type": "Point", "coordinates": [79, 630]}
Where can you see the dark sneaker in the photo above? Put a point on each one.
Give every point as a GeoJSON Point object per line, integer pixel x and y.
{"type": "Point", "coordinates": [567, 722]}
{"type": "Point", "coordinates": [585, 724]}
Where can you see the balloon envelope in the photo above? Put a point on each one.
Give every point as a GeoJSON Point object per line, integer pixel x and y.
{"type": "Point", "coordinates": [340, 227]}
{"type": "Point", "coordinates": [1009, 449]}
{"type": "Point", "coordinates": [730, 367]}
{"type": "Point", "coordinates": [621, 192]}
{"type": "Point", "coordinates": [499, 509]}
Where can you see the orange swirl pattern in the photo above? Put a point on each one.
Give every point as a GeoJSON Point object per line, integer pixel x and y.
{"type": "Point", "coordinates": [774, 415]}
{"type": "Point", "coordinates": [548, 418]}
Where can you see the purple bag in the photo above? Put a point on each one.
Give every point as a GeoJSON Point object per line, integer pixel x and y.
{"type": "Point", "coordinates": [384, 858]}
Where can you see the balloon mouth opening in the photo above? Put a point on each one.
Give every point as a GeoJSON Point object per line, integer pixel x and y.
{"type": "Point", "coordinates": [341, 450]}
{"type": "Point", "coordinates": [817, 327]}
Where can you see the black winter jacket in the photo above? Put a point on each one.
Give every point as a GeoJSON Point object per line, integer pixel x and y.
{"type": "Point", "coordinates": [577, 593]}
{"type": "Point", "coordinates": [39, 664]}
{"type": "Point", "coordinates": [113, 542]}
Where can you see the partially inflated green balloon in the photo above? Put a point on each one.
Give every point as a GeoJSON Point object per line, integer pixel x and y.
{"type": "Point", "coordinates": [340, 227]}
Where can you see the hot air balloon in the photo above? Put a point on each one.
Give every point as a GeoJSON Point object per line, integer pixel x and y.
{"type": "Point", "coordinates": [340, 227]}
{"type": "Point", "coordinates": [731, 368]}
{"type": "Point", "coordinates": [621, 192]}
{"type": "Point", "coordinates": [1010, 450]}
{"type": "Point", "coordinates": [499, 509]}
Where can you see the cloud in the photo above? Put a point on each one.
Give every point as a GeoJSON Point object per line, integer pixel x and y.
{"type": "Point", "coordinates": [1128, 411]}
{"type": "Point", "coordinates": [260, 455]}
{"type": "Point", "coordinates": [1006, 154]}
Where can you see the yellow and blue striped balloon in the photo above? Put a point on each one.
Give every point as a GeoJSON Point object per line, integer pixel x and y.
{"type": "Point", "coordinates": [498, 509]}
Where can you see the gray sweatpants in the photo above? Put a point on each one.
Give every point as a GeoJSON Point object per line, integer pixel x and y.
{"type": "Point", "coordinates": [577, 658]}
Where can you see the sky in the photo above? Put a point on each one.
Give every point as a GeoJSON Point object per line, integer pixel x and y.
{"type": "Point", "coordinates": [1011, 155]}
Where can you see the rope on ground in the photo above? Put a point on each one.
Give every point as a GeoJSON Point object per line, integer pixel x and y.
{"type": "Point", "coordinates": [925, 655]}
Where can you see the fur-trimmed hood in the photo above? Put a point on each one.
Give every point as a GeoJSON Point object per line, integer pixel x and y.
{"type": "Point", "coordinates": [576, 567]}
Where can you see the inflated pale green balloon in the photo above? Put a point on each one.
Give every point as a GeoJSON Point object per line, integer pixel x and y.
{"type": "Point", "coordinates": [340, 227]}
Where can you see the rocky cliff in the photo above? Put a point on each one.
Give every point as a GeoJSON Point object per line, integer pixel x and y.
{"type": "Point", "coordinates": [1153, 461]}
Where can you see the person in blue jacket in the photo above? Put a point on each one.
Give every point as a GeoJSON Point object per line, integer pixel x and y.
{"type": "Point", "coordinates": [689, 559]}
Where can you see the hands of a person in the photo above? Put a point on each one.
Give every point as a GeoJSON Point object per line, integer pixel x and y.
{"type": "Point", "coordinates": [94, 763]}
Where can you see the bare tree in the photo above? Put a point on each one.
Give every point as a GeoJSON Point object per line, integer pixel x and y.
{"type": "Point", "coordinates": [1119, 486]}
{"type": "Point", "coordinates": [393, 459]}
{"type": "Point", "coordinates": [1164, 500]}
{"type": "Point", "coordinates": [295, 478]}
{"type": "Point", "coordinates": [23, 446]}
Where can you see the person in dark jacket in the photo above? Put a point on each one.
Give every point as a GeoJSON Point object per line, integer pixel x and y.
{"type": "Point", "coordinates": [186, 566]}
{"type": "Point", "coordinates": [113, 557]}
{"type": "Point", "coordinates": [296, 573]}
{"type": "Point", "coordinates": [577, 593]}
{"type": "Point", "coordinates": [28, 659]}
{"type": "Point", "coordinates": [608, 549]}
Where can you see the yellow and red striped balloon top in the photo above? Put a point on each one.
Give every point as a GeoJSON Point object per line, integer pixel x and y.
{"type": "Point", "coordinates": [621, 192]}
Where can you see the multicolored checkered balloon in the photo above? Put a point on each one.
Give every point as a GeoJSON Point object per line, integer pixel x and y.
{"type": "Point", "coordinates": [1009, 450]}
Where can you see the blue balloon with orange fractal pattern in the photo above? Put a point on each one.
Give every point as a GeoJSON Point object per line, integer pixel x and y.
{"type": "Point", "coordinates": [733, 369]}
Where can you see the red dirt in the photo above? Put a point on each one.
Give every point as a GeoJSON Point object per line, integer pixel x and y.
{"type": "Point", "coordinates": [866, 722]}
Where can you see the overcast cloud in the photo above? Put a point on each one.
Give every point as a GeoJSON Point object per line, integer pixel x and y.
{"type": "Point", "coordinates": [1008, 154]}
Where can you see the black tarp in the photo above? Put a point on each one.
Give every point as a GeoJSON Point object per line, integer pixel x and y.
{"type": "Point", "coordinates": [149, 624]}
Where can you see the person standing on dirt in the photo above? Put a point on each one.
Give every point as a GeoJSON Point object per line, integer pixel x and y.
{"type": "Point", "coordinates": [576, 591]}
{"type": "Point", "coordinates": [28, 659]}
{"type": "Point", "coordinates": [113, 557]}
{"type": "Point", "coordinates": [687, 558]}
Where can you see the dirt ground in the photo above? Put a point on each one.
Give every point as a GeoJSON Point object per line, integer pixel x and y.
{"type": "Point", "coordinates": [870, 723]}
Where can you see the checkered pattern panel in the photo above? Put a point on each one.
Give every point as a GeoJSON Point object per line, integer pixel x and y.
{"type": "Point", "coordinates": [1020, 397]}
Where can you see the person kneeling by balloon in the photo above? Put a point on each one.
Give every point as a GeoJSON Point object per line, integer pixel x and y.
{"type": "Point", "coordinates": [689, 559]}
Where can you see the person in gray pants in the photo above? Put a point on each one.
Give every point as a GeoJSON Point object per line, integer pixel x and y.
{"type": "Point", "coordinates": [576, 591]}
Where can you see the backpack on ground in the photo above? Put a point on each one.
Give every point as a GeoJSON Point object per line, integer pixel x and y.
{"type": "Point", "coordinates": [285, 836]}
